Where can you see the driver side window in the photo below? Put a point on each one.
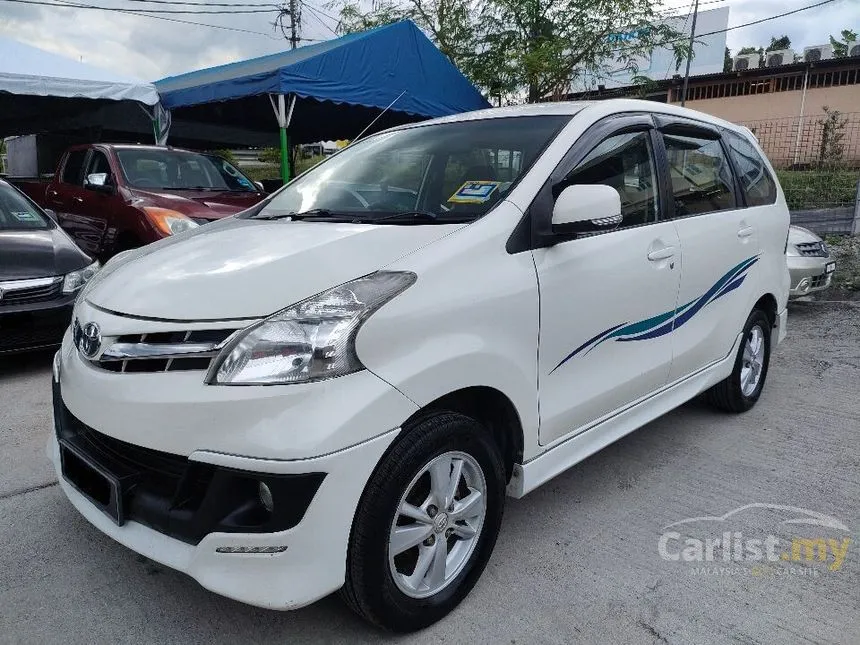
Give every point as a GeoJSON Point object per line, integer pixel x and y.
{"type": "Point", "coordinates": [626, 163]}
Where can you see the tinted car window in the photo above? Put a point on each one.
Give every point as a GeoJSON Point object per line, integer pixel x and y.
{"type": "Point", "coordinates": [74, 166]}
{"type": "Point", "coordinates": [759, 187]}
{"type": "Point", "coordinates": [626, 163]}
{"type": "Point", "coordinates": [180, 170]}
{"type": "Point", "coordinates": [453, 171]}
{"type": "Point", "coordinates": [17, 213]}
{"type": "Point", "coordinates": [700, 174]}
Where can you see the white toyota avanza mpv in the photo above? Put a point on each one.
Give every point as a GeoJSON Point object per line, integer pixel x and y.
{"type": "Point", "coordinates": [337, 388]}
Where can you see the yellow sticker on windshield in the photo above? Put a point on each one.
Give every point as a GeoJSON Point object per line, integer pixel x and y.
{"type": "Point", "coordinates": [474, 192]}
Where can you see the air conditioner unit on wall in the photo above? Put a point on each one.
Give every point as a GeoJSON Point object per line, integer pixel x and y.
{"type": "Point", "coordinates": [745, 61]}
{"type": "Point", "coordinates": [817, 52]}
{"type": "Point", "coordinates": [779, 57]}
{"type": "Point", "coordinates": [853, 48]}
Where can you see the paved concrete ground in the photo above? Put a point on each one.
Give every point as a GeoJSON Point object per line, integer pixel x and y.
{"type": "Point", "coordinates": [576, 561]}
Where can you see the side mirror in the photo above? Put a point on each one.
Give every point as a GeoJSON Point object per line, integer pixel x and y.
{"type": "Point", "coordinates": [582, 207]}
{"type": "Point", "coordinates": [50, 213]}
{"type": "Point", "coordinates": [260, 187]}
{"type": "Point", "coordinates": [98, 182]}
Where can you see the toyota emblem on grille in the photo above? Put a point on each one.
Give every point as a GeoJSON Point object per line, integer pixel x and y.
{"type": "Point", "coordinates": [89, 339]}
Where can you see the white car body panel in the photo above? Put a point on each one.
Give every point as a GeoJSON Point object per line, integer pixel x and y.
{"type": "Point", "coordinates": [476, 316]}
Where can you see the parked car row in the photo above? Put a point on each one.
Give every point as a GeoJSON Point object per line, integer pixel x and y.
{"type": "Point", "coordinates": [111, 197]}
{"type": "Point", "coordinates": [41, 272]}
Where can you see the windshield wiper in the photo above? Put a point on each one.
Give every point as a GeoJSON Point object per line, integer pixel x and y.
{"type": "Point", "coordinates": [311, 214]}
{"type": "Point", "coordinates": [421, 217]}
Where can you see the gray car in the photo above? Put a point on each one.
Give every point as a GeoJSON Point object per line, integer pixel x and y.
{"type": "Point", "coordinates": [809, 262]}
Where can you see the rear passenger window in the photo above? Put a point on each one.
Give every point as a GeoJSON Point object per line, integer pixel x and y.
{"type": "Point", "coordinates": [74, 166]}
{"type": "Point", "coordinates": [701, 178]}
{"type": "Point", "coordinates": [758, 185]}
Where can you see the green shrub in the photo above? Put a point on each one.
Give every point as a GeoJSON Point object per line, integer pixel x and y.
{"type": "Point", "coordinates": [808, 189]}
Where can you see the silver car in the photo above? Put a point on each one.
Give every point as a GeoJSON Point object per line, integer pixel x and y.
{"type": "Point", "coordinates": [809, 262]}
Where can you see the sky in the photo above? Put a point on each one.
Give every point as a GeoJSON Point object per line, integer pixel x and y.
{"type": "Point", "coordinates": [150, 49]}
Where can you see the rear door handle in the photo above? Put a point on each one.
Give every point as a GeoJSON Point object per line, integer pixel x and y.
{"type": "Point", "coordinates": [745, 231]}
{"type": "Point", "coordinates": [80, 200]}
{"type": "Point", "coordinates": [662, 254]}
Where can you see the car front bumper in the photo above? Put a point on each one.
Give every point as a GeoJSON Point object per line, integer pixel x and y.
{"type": "Point", "coordinates": [338, 429]}
{"type": "Point", "coordinates": [808, 274]}
{"type": "Point", "coordinates": [313, 562]}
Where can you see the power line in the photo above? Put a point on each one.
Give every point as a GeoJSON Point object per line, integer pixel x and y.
{"type": "Point", "coordinates": [318, 18]}
{"type": "Point", "coordinates": [147, 12]}
{"type": "Point", "coordinates": [209, 4]}
{"type": "Point", "coordinates": [330, 17]}
{"type": "Point", "coordinates": [670, 10]}
{"type": "Point", "coordinates": [746, 24]}
{"type": "Point", "coordinates": [165, 18]}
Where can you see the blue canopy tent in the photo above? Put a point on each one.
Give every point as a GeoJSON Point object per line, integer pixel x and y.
{"type": "Point", "coordinates": [332, 90]}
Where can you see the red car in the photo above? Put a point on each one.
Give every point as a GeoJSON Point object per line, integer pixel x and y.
{"type": "Point", "coordinates": [112, 197]}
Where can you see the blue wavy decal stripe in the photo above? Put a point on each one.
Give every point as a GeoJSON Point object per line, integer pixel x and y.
{"type": "Point", "coordinates": [664, 323]}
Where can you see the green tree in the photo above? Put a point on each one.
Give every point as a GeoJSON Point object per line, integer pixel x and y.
{"type": "Point", "coordinates": [832, 147]}
{"type": "Point", "coordinates": [840, 47]}
{"type": "Point", "coordinates": [783, 42]}
{"type": "Point", "coordinates": [531, 48]}
{"type": "Point", "coordinates": [728, 62]}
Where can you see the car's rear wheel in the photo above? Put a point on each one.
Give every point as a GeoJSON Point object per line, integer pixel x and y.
{"type": "Point", "coordinates": [426, 524]}
{"type": "Point", "coordinates": [740, 391]}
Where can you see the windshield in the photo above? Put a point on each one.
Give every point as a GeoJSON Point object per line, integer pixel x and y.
{"type": "Point", "coordinates": [17, 213]}
{"type": "Point", "coordinates": [180, 170]}
{"type": "Point", "coordinates": [443, 172]}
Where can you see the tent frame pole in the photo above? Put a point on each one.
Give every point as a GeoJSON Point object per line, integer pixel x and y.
{"type": "Point", "coordinates": [284, 116]}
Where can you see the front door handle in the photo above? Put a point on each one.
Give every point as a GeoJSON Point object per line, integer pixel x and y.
{"type": "Point", "coordinates": [79, 200]}
{"type": "Point", "coordinates": [662, 254]}
{"type": "Point", "coordinates": [745, 231]}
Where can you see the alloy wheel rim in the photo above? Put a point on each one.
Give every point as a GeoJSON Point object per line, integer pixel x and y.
{"type": "Point", "coordinates": [752, 362]}
{"type": "Point", "coordinates": [437, 524]}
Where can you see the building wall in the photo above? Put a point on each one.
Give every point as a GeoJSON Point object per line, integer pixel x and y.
{"type": "Point", "coordinates": [775, 118]}
{"type": "Point", "coordinates": [780, 105]}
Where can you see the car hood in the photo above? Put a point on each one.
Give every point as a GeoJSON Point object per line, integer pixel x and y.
{"type": "Point", "coordinates": [204, 204]}
{"type": "Point", "coordinates": [38, 254]}
{"type": "Point", "coordinates": [800, 235]}
{"type": "Point", "coordinates": [243, 268]}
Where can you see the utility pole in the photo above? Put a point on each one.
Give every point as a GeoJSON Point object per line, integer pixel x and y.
{"type": "Point", "coordinates": [690, 55]}
{"type": "Point", "coordinates": [294, 23]}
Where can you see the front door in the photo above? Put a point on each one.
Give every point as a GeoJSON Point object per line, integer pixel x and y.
{"type": "Point", "coordinates": [607, 298]}
{"type": "Point", "coordinates": [88, 212]}
{"type": "Point", "coordinates": [719, 245]}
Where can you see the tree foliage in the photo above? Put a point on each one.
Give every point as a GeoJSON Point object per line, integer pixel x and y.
{"type": "Point", "coordinates": [728, 62]}
{"type": "Point", "coordinates": [840, 47]}
{"type": "Point", "coordinates": [783, 42]}
{"type": "Point", "coordinates": [516, 49]}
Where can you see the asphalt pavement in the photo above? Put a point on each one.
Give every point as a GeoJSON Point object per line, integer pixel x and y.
{"type": "Point", "coordinates": [578, 560]}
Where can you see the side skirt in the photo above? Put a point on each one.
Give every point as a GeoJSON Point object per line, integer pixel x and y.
{"type": "Point", "coordinates": [569, 452]}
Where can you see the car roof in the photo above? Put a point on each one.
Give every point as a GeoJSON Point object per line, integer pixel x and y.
{"type": "Point", "coordinates": [571, 108]}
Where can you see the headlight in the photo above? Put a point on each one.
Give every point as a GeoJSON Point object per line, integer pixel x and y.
{"type": "Point", "coordinates": [791, 250]}
{"type": "Point", "coordinates": [168, 221]}
{"type": "Point", "coordinates": [77, 279]}
{"type": "Point", "coordinates": [309, 341]}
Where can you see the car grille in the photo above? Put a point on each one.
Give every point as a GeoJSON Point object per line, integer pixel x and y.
{"type": "Point", "coordinates": [812, 249]}
{"type": "Point", "coordinates": [818, 281]}
{"type": "Point", "coordinates": [177, 351]}
{"type": "Point", "coordinates": [27, 291]}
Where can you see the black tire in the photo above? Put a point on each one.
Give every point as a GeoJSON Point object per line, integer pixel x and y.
{"type": "Point", "coordinates": [370, 589]}
{"type": "Point", "coordinates": [728, 394]}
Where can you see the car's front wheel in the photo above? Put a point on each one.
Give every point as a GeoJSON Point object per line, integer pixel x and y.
{"type": "Point", "coordinates": [426, 524]}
